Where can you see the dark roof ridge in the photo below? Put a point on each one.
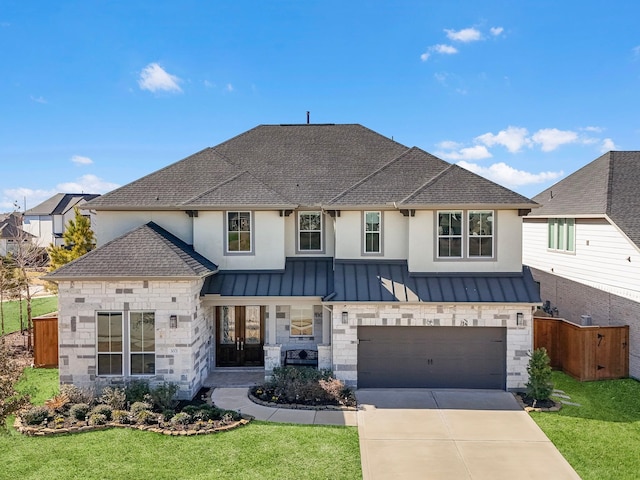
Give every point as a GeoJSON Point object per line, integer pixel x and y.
{"type": "Point", "coordinates": [216, 186]}
{"type": "Point", "coordinates": [427, 183]}
{"type": "Point", "coordinates": [611, 163]}
{"type": "Point", "coordinates": [372, 174]}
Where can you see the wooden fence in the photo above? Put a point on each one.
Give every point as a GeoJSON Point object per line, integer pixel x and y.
{"type": "Point", "coordinates": [584, 352]}
{"type": "Point", "coordinates": [45, 340]}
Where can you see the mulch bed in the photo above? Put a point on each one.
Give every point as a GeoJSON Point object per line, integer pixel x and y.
{"type": "Point", "coordinates": [529, 404]}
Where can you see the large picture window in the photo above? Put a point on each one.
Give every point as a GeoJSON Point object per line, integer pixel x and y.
{"type": "Point", "coordinates": [142, 343]}
{"type": "Point", "coordinates": [301, 321]}
{"type": "Point", "coordinates": [310, 231]}
{"type": "Point", "coordinates": [562, 234]}
{"type": "Point", "coordinates": [238, 231]}
{"type": "Point", "coordinates": [450, 234]}
{"type": "Point", "coordinates": [372, 232]}
{"type": "Point", "coordinates": [110, 343]}
{"type": "Point", "coordinates": [481, 234]}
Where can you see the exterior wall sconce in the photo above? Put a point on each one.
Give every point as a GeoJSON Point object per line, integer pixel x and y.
{"type": "Point", "coordinates": [520, 319]}
{"type": "Point", "coordinates": [173, 321]}
{"type": "Point", "coordinates": [345, 318]}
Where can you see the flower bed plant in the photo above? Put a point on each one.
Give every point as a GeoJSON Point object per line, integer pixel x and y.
{"type": "Point", "coordinates": [304, 386]}
{"type": "Point", "coordinates": [62, 415]}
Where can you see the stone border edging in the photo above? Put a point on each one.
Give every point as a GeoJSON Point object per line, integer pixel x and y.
{"type": "Point", "coordinates": [556, 407]}
{"type": "Point", "coordinates": [296, 406]}
{"type": "Point", "coordinates": [42, 432]}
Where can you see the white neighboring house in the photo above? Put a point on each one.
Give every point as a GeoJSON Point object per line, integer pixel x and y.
{"type": "Point", "coordinates": [583, 246]}
{"type": "Point", "coordinates": [397, 268]}
{"type": "Point", "coordinates": [47, 222]}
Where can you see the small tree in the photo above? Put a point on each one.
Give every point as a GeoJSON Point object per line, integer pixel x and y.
{"type": "Point", "coordinates": [78, 240]}
{"type": "Point", "coordinates": [539, 386]}
{"type": "Point", "coordinates": [10, 400]}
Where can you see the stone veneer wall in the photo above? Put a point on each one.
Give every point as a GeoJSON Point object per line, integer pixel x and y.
{"type": "Point", "coordinates": [282, 330]}
{"type": "Point", "coordinates": [519, 338]}
{"type": "Point", "coordinates": [573, 299]}
{"type": "Point", "coordinates": [181, 353]}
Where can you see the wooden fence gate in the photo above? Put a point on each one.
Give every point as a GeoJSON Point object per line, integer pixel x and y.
{"type": "Point", "coordinates": [584, 352]}
{"type": "Point", "coordinates": [45, 340]}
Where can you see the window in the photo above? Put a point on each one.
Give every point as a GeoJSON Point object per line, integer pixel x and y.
{"type": "Point", "coordinates": [372, 230]}
{"type": "Point", "coordinates": [309, 231]}
{"type": "Point", "coordinates": [142, 343]}
{"type": "Point", "coordinates": [562, 234]}
{"type": "Point", "coordinates": [110, 343]}
{"type": "Point", "coordinates": [481, 234]}
{"type": "Point", "coordinates": [115, 343]}
{"type": "Point", "coordinates": [301, 321]}
{"type": "Point", "coordinates": [450, 234]}
{"type": "Point", "coordinates": [238, 231]}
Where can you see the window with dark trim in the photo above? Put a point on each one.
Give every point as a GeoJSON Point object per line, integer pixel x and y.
{"type": "Point", "coordinates": [238, 231]}
{"type": "Point", "coordinates": [310, 231]}
{"type": "Point", "coordinates": [372, 232]}
{"type": "Point", "coordinates": [450, 234]}
{"type": "Point", "coordinates": [480, 234]}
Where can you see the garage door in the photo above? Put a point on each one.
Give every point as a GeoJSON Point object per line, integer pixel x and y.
{"type": "Point", "coordinates": [432, 357]}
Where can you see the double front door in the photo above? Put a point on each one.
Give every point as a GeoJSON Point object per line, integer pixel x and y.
{"type": "Point", "coordinates": [240, 336]}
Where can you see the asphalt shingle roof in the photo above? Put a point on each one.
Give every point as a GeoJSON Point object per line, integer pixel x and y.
{"type": "Point", "coordinates": [610, 185]}
{"type": "Point", "coordinates": [60, 203]}
{"type": "Point", "coordinates": [148, 251]}
{"type": "Point", "coordinates": [285, 166]}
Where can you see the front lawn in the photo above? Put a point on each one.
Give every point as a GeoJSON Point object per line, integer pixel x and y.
{"type": "Point", "coordinates": [39, 306]}
{"type": "Point", "coordinates": [600, 438]}
{"type": "Point", "coordinates": [259, 450]}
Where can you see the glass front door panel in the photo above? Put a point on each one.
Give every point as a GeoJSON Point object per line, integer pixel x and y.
{"type": "Point", "coordinates": [228, 326]}
{"type": "Point", "coordinates": [252, 326]}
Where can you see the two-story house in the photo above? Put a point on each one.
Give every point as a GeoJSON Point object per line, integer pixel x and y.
{"type": "Point", "coordinates": [47, 221]}
{"type": "Point", "coordinates": [400, 269]}
{"type": "Point", "coordinates": [583, 246]}
{"type": "Point", "coordinates": [11, 233]}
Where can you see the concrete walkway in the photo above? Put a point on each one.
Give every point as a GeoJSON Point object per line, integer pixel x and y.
{"type": "Point", "coordinates": [237, 399]}
{"type": "Point", "coordinates": [453, 434]}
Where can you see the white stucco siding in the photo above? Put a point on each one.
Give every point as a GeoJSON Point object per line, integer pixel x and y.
{"type": "Point", "coordinates": [267, 236]}
{"type": "Point", "coordinates": [604, 258]}
{"type": "Point", "coordinates": [112, 224]}
{"type": "Point", "coordinates": [41, 227]}
{"type": "Point", "coordinates": [291, 236]}
{"type": "Point", "coordinates": [507, 246]}
{"type": "Point", "coordinates": [350, 236]}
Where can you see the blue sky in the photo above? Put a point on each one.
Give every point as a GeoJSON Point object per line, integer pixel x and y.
{"type": "Point", "coordinates": [95, 94]}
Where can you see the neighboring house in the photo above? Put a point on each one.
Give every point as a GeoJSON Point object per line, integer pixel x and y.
{"type": "Point", "coordinates": [48, 221]}
{"type": "Point", "coordinates": [583, 246]}
{"type": "Point", "coordinates": [400, 269]}
{"type": "Point", "coordinates": [11, 233]}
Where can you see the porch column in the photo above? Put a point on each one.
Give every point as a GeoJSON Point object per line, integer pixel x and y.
{"type": "Point", "coordinates": [271, 325]}
{"type": "Point", "coordinates": [327, 315]}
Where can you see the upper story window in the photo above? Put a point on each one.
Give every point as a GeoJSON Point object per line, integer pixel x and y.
{"type": "Point", "coordinates": [372, 232]}
{"type": "Point", "coordinates": [450, 234]}
{"type": "Point", "coordinates": [310, 231]}
{"type": "Point", "coordinates": [466, 234]}
{"type": "Point", "coordinates": [239, 232]}
{"type": "Point", "coordinates": [562, 234]}
{"type": "Point", "coordinates": [481, 234]}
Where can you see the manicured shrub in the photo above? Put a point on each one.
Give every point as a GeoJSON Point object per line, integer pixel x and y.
{"type": "Point", "coordinates": [539, 386]}
{"type": "Point", "coordinates": [137, 391]}
{"type": "Point", "coordinates": [36, 415]}
{"type": "Point", "coordinates": [164, 396]}
{"type": "Point", "coordinates": [114, 397]}
{"type": "Point", "coordinates": [120, 416]}
{"type": "Point", "coordinates": [168, 415]}
{"type": "Point", "coordinates": [103, 409]}
{"type": "Point", "coordinates": [79, 411]}
{"type": "Point", "coordinates": [138, 407]}
{"type": "Point", "coordinates": [181, 419]}
{"type": "Point", "coordinates": [145, 417]}
{"type": "Point", "coordinates": [97, 419]}
{"type": "Point", "coordinates": [77, 394]}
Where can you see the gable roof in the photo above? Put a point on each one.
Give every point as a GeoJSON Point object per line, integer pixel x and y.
{"type": "Point", "coordinates": [60, 203]}
{"type": "Point", "coordinates": [148, 251]}
{"type": "Point", "coordinates": [11, 226]}
{"type": "Point", "coordinates": [607, 186]}
{"type": "Point", "coordinates": [309, 165]}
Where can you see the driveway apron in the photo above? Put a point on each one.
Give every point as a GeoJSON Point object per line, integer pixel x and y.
{"type": "Point", "coordinates": [452, 434]}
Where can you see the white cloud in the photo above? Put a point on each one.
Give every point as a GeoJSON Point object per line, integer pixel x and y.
{"type": "Point", "coordinates": [496, 31]}
{"type": "Point", "coordinates": [425, 56]}
{"type": "Point", "coordinates": [552, 138]}
{"type": "Point", "coordinates": [508, 176]}
{"type": "Point", "coordinates": [479, 152]}
{"type": "Point", "coordinates": [465, 35]}
{"type": "Point", "coordinates": [448, 145]}
{"type": "Point", "coordinates": [209, 84]}
{"type": "Point", "coordinates": [513, 139]}
{"type": "Point", "coordinates": [593, 129]}
{"type": "Point", "coordinates": [88, 184]}
{"type": "Point", "coordinates": [80, 160]}
{"type": "Point", "coordinates": [38, 99]}
{"type": "Point", "coordinates": [607, 145]}
{"type": "Point", "coordinates": [636, 51]}
{"type": "Point", "coordinates": [444, 49]}
{"type": "Point", "coordinates": [229, 87]}
{"type": "Point", "coordinates": [154, 78]}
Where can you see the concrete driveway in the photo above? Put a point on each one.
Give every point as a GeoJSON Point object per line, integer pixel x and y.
{"type": "Point", "coordinates": [452, 434]}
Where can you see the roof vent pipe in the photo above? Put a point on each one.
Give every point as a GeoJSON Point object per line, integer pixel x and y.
{"type": "Point", "coordinates": [307, 117]}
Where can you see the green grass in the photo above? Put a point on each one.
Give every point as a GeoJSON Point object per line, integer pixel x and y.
{"type": "Point", "coordinates": [40, 383]}
{"type": "Point", "coordinates": [600, 438]}
{"type": "Point", "coordinates": [39, 306]}
{"type": "Point", "coordinates": [259, 450]}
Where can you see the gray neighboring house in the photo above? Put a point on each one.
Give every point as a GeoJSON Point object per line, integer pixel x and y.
{"type": "Point", "coordinates": [397, 268]}
{"type": "Point", "coordinates": [583, 245]}
{"type": "Point", "coordinates": [47, 221]}
{"type": "Point", "coordinates": [11, 233]}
